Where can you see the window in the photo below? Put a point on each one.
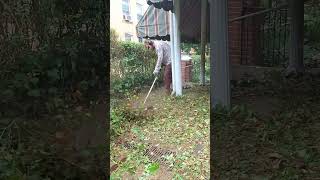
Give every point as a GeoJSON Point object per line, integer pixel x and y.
{"type": "Point", "coordinates": [127, 36]}
{"type": "Point", "coordinates": [140, 39]}
{"type": "Point", "coordinates": [125, 7]}
{"type": "Point", "coordinates": [139, 11]}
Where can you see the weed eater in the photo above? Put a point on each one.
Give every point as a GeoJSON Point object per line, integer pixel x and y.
{"type": "Point", "coordinates": [137, 105]}
{"type": "Point", "coordinates": [150, 90]}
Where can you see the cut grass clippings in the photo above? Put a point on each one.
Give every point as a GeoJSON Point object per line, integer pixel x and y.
{"type": "Point", "coordinates": [178, 124]}
{"type": "Point", "coordinates": [271, 132]}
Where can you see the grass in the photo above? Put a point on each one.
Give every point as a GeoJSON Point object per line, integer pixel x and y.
{"type": "Point", "coordinates": [271, 132]}
{"type": "Point", "coordinates": [177, 124]}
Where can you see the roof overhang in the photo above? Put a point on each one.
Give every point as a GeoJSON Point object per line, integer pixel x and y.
{"type": "Point", "coordinates": [155, 24]}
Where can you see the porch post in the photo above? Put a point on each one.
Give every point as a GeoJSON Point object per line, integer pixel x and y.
{"type": "Point", "coordinates": [172, 52]}
{"type": "Point", "coordinates": [203, 40]}
{"type": "Point", "coordinates": [219, 60]}
{"type": "Point", "coordinates": [176, 6]}
{"type": "Point", "coordinates": [296, 14]}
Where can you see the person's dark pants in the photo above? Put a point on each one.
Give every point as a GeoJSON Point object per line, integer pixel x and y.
{"type": "Point", "coordinates": [167, 78]}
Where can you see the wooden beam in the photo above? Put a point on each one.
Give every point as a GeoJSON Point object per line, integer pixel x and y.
{"type": "Point", "coordinates": [219, 60]}
{"type": "Point", "coordinates": [296, 14]}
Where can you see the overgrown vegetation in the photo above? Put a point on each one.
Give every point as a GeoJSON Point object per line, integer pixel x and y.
{"type": "Point", "coordinates": [53, 58]}
{"type": "Point", "coordinates": [131, 71]}
{"type": "Point", "coordinates": [56, 52]}
{"type": "Point", "coordinates": [186, 123]}
{"type": "Point", "coordinates": [196, 68]}
{"type": "Point", "coordinates": [131, 65]}
{"type": "Point", "coordinates": [311, 32]}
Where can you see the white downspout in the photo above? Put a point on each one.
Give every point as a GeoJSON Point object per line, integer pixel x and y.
{"type": "Point", "coordinates": [177, 65]}
{"type": "Point", "coordinates": [172, 53]}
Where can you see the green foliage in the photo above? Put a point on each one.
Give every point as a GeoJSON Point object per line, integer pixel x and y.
{"type": "Point", "coordinates": [122, 116]}
{"type": "Point", "coordinates": [50, 50]}
{"type": "Point", "coordinates": [196, 68]}
{"type": "Point", "coordinates": [152, 168]}
{"type": "Point", "coordinates": [65, 53]}
{"type": "Point", "coordinates": [311, 34]}
{"type": "Point", "coordinates": [312, 21]}
{"type": "Point", "coordinates": [131, 66]}
{"type": "Point", "coordinates": [186, 47]}
{"type": "Point", "coordinates": [117, 119]}
{"type": "Point", "coordinates": [184, 130]}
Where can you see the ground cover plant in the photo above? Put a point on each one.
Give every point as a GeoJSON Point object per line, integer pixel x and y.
{"type": "Point", "coordinates": [131, 76]}
{"type": "Point", "coordinates": [53, 68]}
{"type": "Point", "coordinates": [179, 125]}
{"type": "Point", "coordinates": [267, 134]}
{"type": "Point", "coordinates": [276, 136]}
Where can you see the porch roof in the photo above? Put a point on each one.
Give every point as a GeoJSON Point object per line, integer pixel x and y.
{"type": "Point", "coordinates": [155, 24]}
{"type": "Point", "coordinates": [166, 5]}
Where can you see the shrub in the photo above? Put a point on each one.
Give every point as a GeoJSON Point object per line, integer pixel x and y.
{"type": "Point", "coordinates": [131, 66]}
{"type": "Point", "coordinates": [186, 47]}
{"type": "Point", "coordinates": [196, 68]}
{"type": "Point", "coordinates": [62, 55]}
{"type": "Point", "coordinates": [312, 21]}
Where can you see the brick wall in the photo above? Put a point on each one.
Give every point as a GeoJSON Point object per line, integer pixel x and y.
{"type": "Point", "coordinates": [186, 75]}
{"type": "Point", "coordinates": [234, 31]}
{"type": "Point", "coordinates": [243, 36]}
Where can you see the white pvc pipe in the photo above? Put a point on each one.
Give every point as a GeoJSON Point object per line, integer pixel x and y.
{"type": "Point", "coordinates": [177, 47]}
{"type": "Point", "coordinates": [172, 55]}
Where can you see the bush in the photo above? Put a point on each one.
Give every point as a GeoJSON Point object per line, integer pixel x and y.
{"type": "Point", "coordinates": [64, 57]}
{"type": "Point", "coordinates": [117, 121]}
{"type": "Point", "coordinates": [312, 21]}
{"type": "Point", "coordinates": [51, 52]}
{"type": "Point", "coordinates": [196, 68]}
{"type": "Point", "coordinates": [131, 65]}
{"type": "Point", "coordinates": [186, 47]}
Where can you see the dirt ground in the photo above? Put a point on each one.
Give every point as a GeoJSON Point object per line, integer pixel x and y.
{"type": "Point", "coordinates": [275, 137]}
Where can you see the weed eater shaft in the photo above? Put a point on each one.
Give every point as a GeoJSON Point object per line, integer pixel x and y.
{"type": "Point", "coordinates": [150, 90]}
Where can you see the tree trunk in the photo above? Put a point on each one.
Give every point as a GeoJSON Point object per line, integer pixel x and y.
{"type": "Point", "coordinates": [296, 14]}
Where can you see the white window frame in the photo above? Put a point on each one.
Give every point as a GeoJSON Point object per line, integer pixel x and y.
{"type": "Point", "coordinates": [128, 35]}
{"type": "Point", "coordinates": [137, 5]}
{"type": "Point", "coordinates": [129, 8]}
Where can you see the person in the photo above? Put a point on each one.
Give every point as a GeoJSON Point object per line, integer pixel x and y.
{"type": "Point", "coordinates": [164, 59]}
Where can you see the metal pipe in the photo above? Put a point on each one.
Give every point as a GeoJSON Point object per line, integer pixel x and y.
{"type": "Point", "coordinates": [258, 13]}
{"type": "Point", "coordinates": [172, 55]}
{"type": "Point", "coordinates": [203, 40]}
{"type": "Point", "coordinates": [176, 7]}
